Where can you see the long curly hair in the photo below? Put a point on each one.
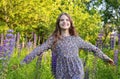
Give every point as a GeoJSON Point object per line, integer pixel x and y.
{"type": "Point", "coordinates": [57, 32]}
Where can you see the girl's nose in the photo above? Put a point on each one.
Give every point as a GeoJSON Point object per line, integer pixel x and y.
{"type": "Point", "coordinates": [64, 22]}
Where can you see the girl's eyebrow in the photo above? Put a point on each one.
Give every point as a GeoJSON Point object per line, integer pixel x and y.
{"type": "Point", "coordinates": [63, 19]}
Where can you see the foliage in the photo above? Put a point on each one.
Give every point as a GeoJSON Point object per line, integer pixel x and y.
{"type": "Point", "coordinates": [109, 11]}
{"type": "Point", "coordinates": [110, 15]}
{"type": "Point", "coordinates": [26, 16]}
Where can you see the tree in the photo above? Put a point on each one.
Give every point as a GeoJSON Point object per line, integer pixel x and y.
{"type": "Point", "coordinates": [40, 16]}
{"type": "Point", "coordinates": [110, 13]}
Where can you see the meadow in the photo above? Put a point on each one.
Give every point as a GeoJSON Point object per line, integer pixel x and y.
{"type": "Point", "coordinates": [40, 67]}
{"type": "Point", "coordinates": [95, 67]}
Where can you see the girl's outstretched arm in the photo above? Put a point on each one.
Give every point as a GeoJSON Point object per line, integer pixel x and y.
{"type": "Point", "coordinates": [85, 45]}
{"type": "Point", "coordinates": [38, 50]}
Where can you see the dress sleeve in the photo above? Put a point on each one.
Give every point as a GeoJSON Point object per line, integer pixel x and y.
{"type": "Point", "coordinates": [39, 50]}
{"type": "Point", "coordinates": [85, 45]}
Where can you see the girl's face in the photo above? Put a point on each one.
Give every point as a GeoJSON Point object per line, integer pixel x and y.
{"type": "Point", "coordinates": [64, 22]}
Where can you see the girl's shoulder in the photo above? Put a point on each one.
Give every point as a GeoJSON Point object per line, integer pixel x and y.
{"type": "Point", "coordinates": [76, 37]}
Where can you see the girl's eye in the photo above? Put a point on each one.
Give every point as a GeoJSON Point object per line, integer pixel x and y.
{"type": "Point", "coordinates": [67, 19]}
{"type": "Point", "coordinates": [61, 19]}
{"type": "Point", "coordinates": [64, 20]}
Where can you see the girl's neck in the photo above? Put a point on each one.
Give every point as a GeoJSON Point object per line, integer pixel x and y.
{"type": "Point", "coordinates": [65, 33]}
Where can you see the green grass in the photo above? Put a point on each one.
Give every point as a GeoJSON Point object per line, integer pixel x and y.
{"type": "Point", "coordinates": [29, 71]}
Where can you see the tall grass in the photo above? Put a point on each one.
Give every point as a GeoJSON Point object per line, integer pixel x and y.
{"type": "Point", "coordinates": [28, 71]}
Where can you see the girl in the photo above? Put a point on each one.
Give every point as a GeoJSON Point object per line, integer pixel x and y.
{"type": "Point", "coordinates": [65, 45]}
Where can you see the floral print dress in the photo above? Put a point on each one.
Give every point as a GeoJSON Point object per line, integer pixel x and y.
{"type": "Point", "coordinates": [66, 52]}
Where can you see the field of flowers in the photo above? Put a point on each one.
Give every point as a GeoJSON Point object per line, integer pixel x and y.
{"type": "Point", "coordinates": [94, 70]}
{"type": "Point", "coordinates": [40, 67]}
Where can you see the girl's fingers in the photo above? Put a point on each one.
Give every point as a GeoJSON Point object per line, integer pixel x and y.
{"type": "Point", "coordinates": [111, 62]}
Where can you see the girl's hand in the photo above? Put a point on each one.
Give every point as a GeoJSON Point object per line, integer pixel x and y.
{"type": "Point", "coordinates": [111, 62]}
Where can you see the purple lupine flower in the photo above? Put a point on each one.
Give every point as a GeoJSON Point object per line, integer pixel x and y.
{"type": "Point", "coordinates": [119, 39]}
{"type": "Point", "coordinates": [1, 51]}
{"type": "Point", "coordinates": [10, 31]}
{"type": "Point", "coordinates": [12, 43]}
{"type": "Point", "coordinates": [99, 40]}
{"type": "Point", "coordinates": [8, 46]}
{"type": "Point", "coordinates": [29, 44]}
{"type": "Point", "coordinates": [112, 41]}
{"type": "Point", "coordinates": [116, 57]}
{"type": "Point", "coordinates": [54, 61]}
{"type": "Point", "coordinates": [9, 36]}
{"type": "Point", "coordinates": [5, 46]}
{"type": "Point", "coordinates": [9, 43]}
{"type": "Point", "coordinates": [1, 48]}
{"type": "Point", "coordinates": [11, 46]}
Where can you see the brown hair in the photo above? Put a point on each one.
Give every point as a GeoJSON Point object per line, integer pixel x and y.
{"type": "Point", "coordinates": [57, 33]}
